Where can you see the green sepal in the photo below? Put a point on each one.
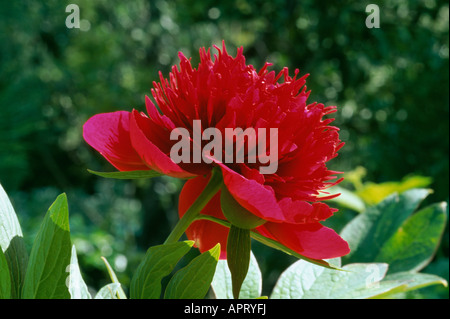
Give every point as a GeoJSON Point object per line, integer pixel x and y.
{"type": "Point", "coordinates": [238, 256]}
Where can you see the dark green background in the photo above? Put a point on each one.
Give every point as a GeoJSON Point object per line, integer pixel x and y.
{"type": "Point", "coordinates": [390, 85]}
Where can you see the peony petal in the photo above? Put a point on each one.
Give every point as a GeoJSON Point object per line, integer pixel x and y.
{"type": "Point", "coordinates": [255, 197]}
{"type": "Point", "coordinates": [109, 134]}
{"type": "Point", "coordinates": [310, 240]}
{"type": "Point", "coordinates": [206, 234]}
{"type": "Point", "coordinates": [302, 212]}
{"type": "Point", "coordinates": [149, 152]}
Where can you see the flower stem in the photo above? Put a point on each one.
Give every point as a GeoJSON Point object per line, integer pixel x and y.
{"type": "Point", "coordinates": [213, 186]}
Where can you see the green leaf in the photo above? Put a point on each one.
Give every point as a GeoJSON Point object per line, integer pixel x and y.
{"type": "Point", "coordinates": [75, 283]}
{"type": "Point", "coordinates": [304, 280]}
{"type": "Point", "coordinates": [110, 291]}
{"type": "Point", "coordinates": [127, 174]}
{"type": "Point", "coordinates": [251, 288]}
{"type": "Point", "coordinates": [12, 244]}
{"type": "Point", "coordinates": [413, 246]}
{"type": "Point", "coordinates": [112, 275]}
{"type": "Point", "coordinates": [412, 281]}
{"type": "Point", "coordinates": [368, 232]}
{"type": "Point", "coordinates": [194, 280]}
{"type": "Point", "coordinates": [238, 256]}
{"type": "Point", "coordinates": [46, 274]}
{"type": "Point", "coordinates": [5, 277]}
{"type": "Point", "coordinates": [159, 262]}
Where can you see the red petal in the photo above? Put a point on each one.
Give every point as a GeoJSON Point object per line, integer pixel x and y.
{"type": "Point", "coordinates": [109, 134]}
{"type": "Point", "coordinates": [149, 152]}
{"type": "Point", "coordinates": [302, 212]}
{"type": "Point", "coordinates": [310, 240]}
{"type": "Point", "coordinates": [206, 234]}
{"type": "Point", "coordinates": [255, 197]}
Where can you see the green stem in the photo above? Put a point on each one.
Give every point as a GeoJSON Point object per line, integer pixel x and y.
{"type": "Point", "coordinates": [213, 186]}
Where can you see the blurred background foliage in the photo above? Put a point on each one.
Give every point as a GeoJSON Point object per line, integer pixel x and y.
{"type": "Point", "coordinates": [390, 85]}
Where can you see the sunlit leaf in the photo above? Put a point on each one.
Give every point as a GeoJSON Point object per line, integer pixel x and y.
{"type": "Point", "coordinates": [12, 244]}
{"type": "Point", "coordinates": [194, 280]}
{"type": "Point", "coordinates": [251, 287]}
{"type": "Point", "coordinates": [159, 261]}
{"type": "Point", "coordinates": [46, 273]}
{"type": "Point", "coordinates": [76, 285]}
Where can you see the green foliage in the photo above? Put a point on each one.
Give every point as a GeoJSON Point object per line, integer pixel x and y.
{"type": "Point", "coordinates": [238, 256]}
{"type": "Point", "coordinates": [389, 246]}
{"type": "Point", "coordinates": [127, 175]}
{"type": "Point", "coordinates": [194, 280]}
{"type": "Point", "coordinates": [12, 246]}
{"type": "Point", "coordinates": [75, 283]}
{"type": "Point", "coordinates": [46, 272]}
{"type": "Point", "coordinates": [393, 243]}
{"type": "Point", "coordinates": [159, 261]}
{"type": "Point", "coordinates": [251, 287]}
{"type": "Point", "coordinates": [5, 277]}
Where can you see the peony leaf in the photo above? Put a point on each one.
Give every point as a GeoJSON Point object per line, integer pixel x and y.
{"type": "Point", "coordinates": [238, 256]}
{"type": "Point", "coordinates": [251, 287]}
{"type": "Point", "coordinates": [412, 281]}
{"type": "Point", "coordinates": [413, 246]}
{"type": "Point", "coordinates": [112, 275]}
{"type": "Point", "coordinates": [110, 291]}
{"type": "Point", "coordinates": [194, 280]}
{"type": "Point", "coordinates": [159, 261]}
{"type": "Point", "coordinates": [369, 231]}
{"type": "Point", "coordinates": [12, 244]}
{"type": "Point", "coordinates": [75, 283]}
{"type": "Point", "coordinates": [127, 174]}
{"type": "Point", "coordinates": [304, 280]}
{"type": "Point", "coordinates": [50, 255]}
{"type": "Point", "coordinates": [5, 277]}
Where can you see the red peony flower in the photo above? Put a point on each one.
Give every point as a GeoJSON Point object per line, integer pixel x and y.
{"type": "Point", "coordinates": [225, 92]}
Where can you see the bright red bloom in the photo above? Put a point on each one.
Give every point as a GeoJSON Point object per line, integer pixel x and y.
{"type": "Point", "coordinates": [225, 92]}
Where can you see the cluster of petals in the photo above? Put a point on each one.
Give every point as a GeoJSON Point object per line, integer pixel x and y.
{"type": "Point", "coordinates": [225, 92]}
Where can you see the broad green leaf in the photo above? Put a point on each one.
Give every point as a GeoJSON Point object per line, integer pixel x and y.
{"type": "Point", "coordinates": [77, 286]}
{"type": "Point", "coordinates": [127, 174]}
{"type": "Point", "coordinates": [110, 291]}
{"type": "Point", "coordinates": [251, 288]}
{"type": "Point", "coordinates": [304, 280]}
{"type": "Point", "coordinates": [297, 279]}
{"type": "Point", "coordinates": [238, 256]}
{"type": "Point", "coordinates": [46, 274]}
{"type": "Point", "coordinates": [12, 244]}
{"type": "Point", "coordinates": [194, 280]}
{"type": "Point", "coordinates": [369, 231]}
{"type": "Point", "coordinates": [112, 275]}
{"type": "Point", "coordinates": [413, 246]}
{"type": "Point", "coordinates": [5, 277]}
{"type": "Point", "coordinates": [159, 262]}
{"type": "Point", "coordinates": [412, 281]}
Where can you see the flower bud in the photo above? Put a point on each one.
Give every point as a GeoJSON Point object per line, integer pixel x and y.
{"type": "Point", "coordinates": [236, 214]}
